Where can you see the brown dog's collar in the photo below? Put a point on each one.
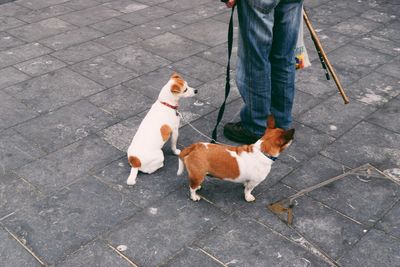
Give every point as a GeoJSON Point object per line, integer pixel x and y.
{"type": "Point", "coordinates": [169, 105]}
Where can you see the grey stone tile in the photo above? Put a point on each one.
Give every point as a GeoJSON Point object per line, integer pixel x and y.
{"type": "Point", "coordinates": [353, 62]}
{"type": "Point", "coordinates": [327, 229]}
{"type": "Point", "coordinates": [327, 15]}
{"type": "Point", "coordinates": [151, 236]}
{"type": "Point", "coordinates": [390, 31]}
{"type": "Point", "coordinates": [151, 2]}
{"type": "Point", "coordinates": [355, 26]}
{"type": "Point", "coordinates": [303, 102]}
{"type": "Point", "coordinates": [179, 5]}
{"type": "Point", "coordinates": [315, 3]}
{"type": "Point", "coordinates": [42, 29]}
{"type": "Point", "coordinates": [39, 4]}
{"type": "Point", "coordinates": [80, 4]}
{"type": "Point", "coordinates": [22, 53]}
{"type": "Point", "coordinates": [389, 8]}
{"type": "Point", "coordinates": [73, 37]}
{"type": "Point", "coordinates": [388, 116]}
{"type": "Point", "coordinates": [365, 200]}
{"type": "Point", "coordinates": [392, 68]}
{"type": "Point", "coordinates": [13, 254]}
{"type": "Point", "coordinates": [90, 15]}
{"type": "Point", "coordinates": [40, 65]}
{"type": "Point", "coordinates": [121, 102]}
{"type": "Point", "coordinates": [330, 40]}
{"type": "Point", "coordinates": [157, 27]}
{"type": "Point", "coordinates": [16, 151]}
{"type": "Point", "coordinates": [53, 90]}
{"type": "Point", "coordinates": [137, 59]}
{"type": "Point", "coordinates": [10, 76]}
{"type": "Point", "coordinates": [219, 54]}
{"type": "Point", "coordinates": [381, 44]}
{"type": "Point", "coordinates": [199, 68]}
{"type": "Point", "coordinates": [377, 16]}
{"type": "Point", "coordinates": [7, 41]}
{"type": "Point", "coordinates": [192, 108]}
{"type": "Point", "coordinates": [66, 125]}
{"type": "Point", "coordinates": [12, 10]}
{"type": "Point", "coordinates": [111, 25]}
{"type": "Point", "coordinates": [199, 13]}
{"type": "Point", "coordinates": [97, 254]}
{"type": "Point", "coordinates": [231, 113]}
{"type": "Point", "coordinates": [263, 247]}
{"type": "Point", "coordinates": [150, 84]}
{"type": "Point", "coordinates": [306, 144]}
{"type": "Point", "coordinates": [374, 89]}
{"type": "Point", "coordinates": [77, 53]}
{"type": "Point", "coordinates": [120, 39]}
{"type": "Point", "coordinates": [191, 256]}
{"type": "Point", "coordinates": [58, 225]}
{"type": "Point", "coordinates": [146, 15]}
{"type": "Point", "coordinates": [200, 32]}
{"type": "Point", "coordinates": [213, 92]}
{"type": "Point", "coordinates": [104, 71]}
{"type": "Point", "coordinates": [9, 22]}
{"type": "Point", "coordinates": [15, 193]}
{"type": "Point", "coordinates": [314, 171]}
{"type": "Point", "coordinates": [172, 46]}
{"type": "Point", "coordinates": [13, 112]}
{"type": "Point", "coordinates": [120, 134]}
{"type": "Point", "coordinates": [374, 249]}
{"type": "Point", "coordinates": [149, 189]}
{"type": "Point", "coordinates": [125, 6]}
{"type": "Point", "coordinates": [391, 222]}
{"type": "Point", "coordinates": [366, 143]}
{"type": "Point", "coordinates": [334, 117]}
{"type": "Point", "coordinates": [64, 166]}
{"type": "Point", "coordinates": [45, 13]}
{"type": "Point", "coordinates": [356, 6]}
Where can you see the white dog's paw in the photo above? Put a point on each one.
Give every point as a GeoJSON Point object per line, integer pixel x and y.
{"type": "Point", "coordinates": [249, 198]}
{"type": "Point", "coordinates": [130, 182]}
{"type": "Point", "coordinates": [195, 197]}
{"type": "Point", "coordinates": [176, 151]}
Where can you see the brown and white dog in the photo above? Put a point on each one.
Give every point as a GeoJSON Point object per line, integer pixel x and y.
{"type": "Point", "coordinates": [247, 164]}
{"type": "Point", "coordinates": [161, 122]}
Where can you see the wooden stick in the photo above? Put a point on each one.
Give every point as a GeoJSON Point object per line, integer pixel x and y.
{"type": "Point", "coordinates": [323, 54]}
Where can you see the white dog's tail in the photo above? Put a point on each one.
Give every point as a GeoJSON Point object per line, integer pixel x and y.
{"type": "Point", "coordinates": [181, 167]}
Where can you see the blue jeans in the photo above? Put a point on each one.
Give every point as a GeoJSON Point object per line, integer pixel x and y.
{"type": "Point", "coordinates": [265, 72]}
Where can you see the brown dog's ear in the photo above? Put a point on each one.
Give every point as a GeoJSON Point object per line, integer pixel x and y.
{"type": "Point", "coordinates": [175, 88]}
{"type": "Point", "coordinates": [175, 76]}
{"type": "Point", "coordinates": [288, 135]}
{"type": "Point", "coordinates": [271, 121]}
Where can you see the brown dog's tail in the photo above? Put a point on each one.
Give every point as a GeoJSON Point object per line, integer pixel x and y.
{"type": "Point", "coordinates": [182, 155]}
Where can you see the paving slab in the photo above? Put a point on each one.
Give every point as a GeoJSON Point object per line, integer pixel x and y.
{"type": "Point", "coordinates": [53, 90]}
{"type": "Point", "coordinates": [146, 15]}
{"type": "Point", "coordinates": [172, 46]}
{"type": "Point", "coordinates": [192, 256]}
{"type": "Point", "coordinates": [179, 5]}
{"type": "Point", "coordinates": [90, 15]}
{"type": "Point", "coordinates": [22, 53]}
{"type": "Point", "coordinates": [13, 9]}
{"type": "Point", "coordinates": [44, 13]}
{"type": "Point", "coordinates": [303, 102]}
{"type": "Point", "coordinates": [151, 236]}
{"type": "Point", "coordinates": [374, 249]}
{"type": "Point", "coordinates": [356, 26]}
{"type": "Point", "coordinates": [10, 76]}
{"type": "Point", "coordinates": [42, 29]}
{"type": "Point", "coordinates": [390, 31]}
{"type": "Point", "coordinates": [391, 68]}
{"type": "Point", "coordinates": [58, 225]}
{"type": "Point", "coordinates": [97, 254]}
{"type": "Point", "coordinates": [13, 254]}
{"type": "Point", "coordinates": [40, 65]}
{"type": "Point", "coordinates": [104, 71]}
{"type": "Point", "coordinates": [9, 23]}
{"type": "Point", "coordinates": [81, 52]}
{"type": "Point", "coordinates": [388, 116]}
{"type": "Point", "coordinates": [263, 247]}
{"type": "Point", "coordinates": [334, 117]}
{"type": "Point", "coordinates": [366, 143]}
{"type": "Point", "coordinates": [219, 54]}
{"type": "Point", "coordinates": [7, 41]}
{"type": "Point", "coordinates": [111, 25]}
{"type": "Point", "coordinates": [390, 223]}
{"type": "Point", "coordinates": [81, 4]}
{"type": "Point", "coordinates": [137, 59]}
{"type": "Point", "coordinates": [329, 14]}
{"type": "Point", "coordinates": [125, 6]}
{"type": "Point", "coordinates": [69, 38]}
{"type": "Point", "coordinates": [381, 44]}
{"type": "Point", "coordinates": [39, 4]}
{"type": "Point", "coordinates": [66, 125]}
{"type": "Point", "coordinates": [120, 39]}
{"type": "Point", "coordinates": [157, 27]}
{"type": "Point", "coordinates": [199, 13]}
{"type": "Point", "coordinates": [55, 170]}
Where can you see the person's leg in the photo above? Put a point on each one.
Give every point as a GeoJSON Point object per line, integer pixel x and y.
{"type": "Point", "coordinates": [253, 72]}
{"type": "Point", "coordinates": [286, 27]}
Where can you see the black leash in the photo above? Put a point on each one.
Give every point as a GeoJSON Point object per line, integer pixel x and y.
{"type": "Point", "coordinates": [227, 83]}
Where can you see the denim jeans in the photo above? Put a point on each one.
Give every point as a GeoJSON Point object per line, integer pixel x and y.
{"type": "Point", "coordinates": [265, 72]}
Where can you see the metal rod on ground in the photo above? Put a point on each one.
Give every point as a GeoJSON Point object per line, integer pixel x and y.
{"type": "Point", "coordinates": [325, 58]}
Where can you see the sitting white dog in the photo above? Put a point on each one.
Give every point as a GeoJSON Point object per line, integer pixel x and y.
{"type": "Point", "coordinates": [162, 121]}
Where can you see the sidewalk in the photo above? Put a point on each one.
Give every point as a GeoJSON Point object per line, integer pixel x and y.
{"type": "Point", "coordinates": [77, 77]}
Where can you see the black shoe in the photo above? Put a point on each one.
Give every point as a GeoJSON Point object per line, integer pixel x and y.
{"type": "Point", "coordinates": [237, 133]}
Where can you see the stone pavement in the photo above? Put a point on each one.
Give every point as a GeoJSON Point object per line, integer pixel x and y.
{"type": "Point", "coordinates": [77, 77]}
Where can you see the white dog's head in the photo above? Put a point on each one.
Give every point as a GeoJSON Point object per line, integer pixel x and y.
{"type": "Point", "coordinates": [176, 88]}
